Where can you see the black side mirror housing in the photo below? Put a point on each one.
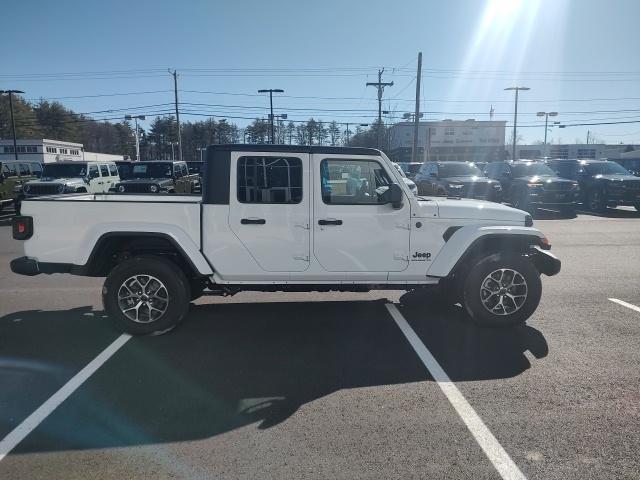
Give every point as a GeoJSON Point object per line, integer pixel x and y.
{"type": "Point", "coordinates": [397, 196]}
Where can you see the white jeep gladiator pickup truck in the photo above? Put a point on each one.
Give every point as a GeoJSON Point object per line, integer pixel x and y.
{"type": "Point", "coordinates": [287, 218]}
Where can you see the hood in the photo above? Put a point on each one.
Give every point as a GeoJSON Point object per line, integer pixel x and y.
{"type": "Point", "coordinates": [146, 181]}
{"type": "Point", "coordinates": [57, 181]}
{"type": "Point", "coordinates": [545, 179]}
{"type": "Point", "coordinates": [465, 208]}
{"type": "Point", "coordinates": [468, 179]}
{"type": "Point", "coordinates": [617, 178]}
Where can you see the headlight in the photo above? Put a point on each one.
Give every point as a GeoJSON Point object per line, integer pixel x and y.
{"type": "Point", "coordinates": [61, 188]}
{"type": "Point", "coordinates": [497, 186]}
{"type": "Point", "coordinates": [27, 188]}
{"type": "Point", "coordinates": [121, 188]}
{"type": "Point", "coordinates": [153, 188]}
{"type": "Point", "coordinates": [17, 188]}
{"type": "Point", "coordinates": [455, 186]}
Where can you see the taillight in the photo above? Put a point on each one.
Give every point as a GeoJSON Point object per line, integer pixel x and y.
{"type": "Point", "coordinates": [22, 227]}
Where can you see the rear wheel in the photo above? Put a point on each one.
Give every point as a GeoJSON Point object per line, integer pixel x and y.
{"type": "Point", "coordinates": [146, 295]}
{"type": "Point", "coordinates": [502, 290]}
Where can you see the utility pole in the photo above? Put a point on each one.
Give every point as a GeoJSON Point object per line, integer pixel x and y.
{"type": "Point", "coordinates": [515, 117]}
{"type": "Point", "coordinates": [271, 91]}
{"type": "Point", "coordinates": [416, 118]}
{"type": "Point", "coordinates": [380, 86]}
{"type": "Point", "coordinates": [13, 123]}
{"type": "Point", "coordinates": [588, 134]}
{"type": "Point", "coordinates": [136, 117]}
{"type": "Point", "coordinates": [175, 92]}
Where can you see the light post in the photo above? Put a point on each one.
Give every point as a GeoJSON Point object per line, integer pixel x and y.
{"type": "Point", "coordinates": [136, 118]}
{"type": "Point", "coordinates": [13, 123]}
{"type": "Point", "coordinates": [271, 91]}
{"type": "Point", "coordinates": [201, 149]}
{"type": "Point", "coordinates": [546, 116]}
{"type": "Point", "coordinates": [515, 117]}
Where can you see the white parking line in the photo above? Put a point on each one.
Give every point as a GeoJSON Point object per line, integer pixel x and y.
{"type": "Point", "coordinates": [625, 304]}
{"type": "Point", "coordinates": [491, 447]}
{"type": "Point", "coordinates": [18, 434]}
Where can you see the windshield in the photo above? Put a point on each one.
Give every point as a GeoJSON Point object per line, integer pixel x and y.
{"type": "Point", "coordinates": [152, 170]}
{"type": "Point", "coordinates": [459, 170]}
{"type": "Point", "coordinates": [64, 170]}
{"type": "Point", "coordinates": [606, 168]}
{"type": "Point", "coordinates": [530, 169]}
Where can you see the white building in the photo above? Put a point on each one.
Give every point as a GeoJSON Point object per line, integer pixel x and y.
{"type": "Point", "coordinates": [454, 140]}
{"type": "Point", "coordinates": [47, 151]}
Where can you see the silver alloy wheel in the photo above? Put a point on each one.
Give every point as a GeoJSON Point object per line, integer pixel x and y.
{"type": "Point", "coordinates": [503, 291]}
{"type": "Point", "coordinates": [143, 298]}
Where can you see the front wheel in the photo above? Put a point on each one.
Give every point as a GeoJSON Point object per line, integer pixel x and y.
{"type": "Point", "coordinates": [146, 295]}
{"type": "Point", "coordinates": [502, 290]}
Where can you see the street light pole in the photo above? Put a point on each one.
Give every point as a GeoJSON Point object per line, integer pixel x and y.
{"type": "Point", "coordinates": [136, 117]}
{"type": "Point", "coordinates": [515, 117]}
{"type": "Point", "coordinates": [13, 123]}
{"type": "Point", "coordinates": [546, 116]}
{"type": "Point", "coordinates": [271, 92]}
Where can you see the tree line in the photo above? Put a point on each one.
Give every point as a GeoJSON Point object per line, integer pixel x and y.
{"type": "Point", "coordinates": [52, 120]}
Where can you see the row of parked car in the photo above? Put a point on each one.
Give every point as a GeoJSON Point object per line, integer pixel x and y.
{"type": "Point", "coordinates": [24, 179]}
{"type": "Point", "coordinates": [558, 184]}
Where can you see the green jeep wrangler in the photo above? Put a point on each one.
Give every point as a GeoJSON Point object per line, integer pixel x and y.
{"type": "Point", "coordinates": [13, 175]}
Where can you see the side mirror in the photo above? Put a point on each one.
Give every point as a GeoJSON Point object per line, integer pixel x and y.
{"type": "Point", "coordinates": [397, 196]}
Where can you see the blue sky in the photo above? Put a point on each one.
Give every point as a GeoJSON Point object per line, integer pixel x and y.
{"type": "Point", "coordinates": [579, 57]}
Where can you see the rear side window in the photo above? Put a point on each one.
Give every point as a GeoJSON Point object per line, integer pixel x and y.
{"type": "Point", "coordinates": [269, 180]}
{"type": "Point", "coordinates": [9, 170]}
{"type": "Point", "coordinates": [104, 171]}
{"type": "Point", "coordinates": [353, 182]}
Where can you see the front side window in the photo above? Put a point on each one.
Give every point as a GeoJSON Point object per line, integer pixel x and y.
{"type": "Point", "coordinates": [93, 171]}
{"type": "Point", "coordinates": [104, 171]}
{"type": "Point", "coordinates": [269, 180]}
{"type": "Point", "coordinates": [113, 170]}
{"type": "Point", "coordinates": [353, 182]}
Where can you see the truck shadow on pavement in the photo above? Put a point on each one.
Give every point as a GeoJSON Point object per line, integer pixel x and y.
{"type": "Point", "coordinates": [231, 365]}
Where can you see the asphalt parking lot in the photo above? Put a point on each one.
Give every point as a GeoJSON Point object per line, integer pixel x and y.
{"type": "Point", "coordinates": [330, 385]}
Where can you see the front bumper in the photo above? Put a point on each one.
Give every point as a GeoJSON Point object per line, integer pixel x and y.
{"type": "Point", "coordinates": [545, 261]}
{"type": "Point", "coordinates": [30, 267]}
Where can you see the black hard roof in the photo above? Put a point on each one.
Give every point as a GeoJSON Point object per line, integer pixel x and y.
{"type": "Point", "coordinates": [243, 147]}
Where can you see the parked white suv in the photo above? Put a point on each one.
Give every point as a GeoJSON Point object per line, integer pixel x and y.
{"type": "Point", "coordinates": [73, 177]}
{"type": "Point", "coordinates": [287, 218]}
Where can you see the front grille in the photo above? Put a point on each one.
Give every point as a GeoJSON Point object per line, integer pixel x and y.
{"type": "Point", "coordinates": [635, 186]}
{"type": "Point", "coordinates": [136, 188]}
{"type": "Point", "coordinates": [40, 189]}
{"type": "Point", "coordinates": [477, 190]}
{"type": "Point", "coordinates": [557, 187]}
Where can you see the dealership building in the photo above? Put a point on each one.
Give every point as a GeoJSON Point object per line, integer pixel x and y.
{"type": "Point", "coordinates": [449, 140]}
{"type": "Point", "coordinates": [47, 151]}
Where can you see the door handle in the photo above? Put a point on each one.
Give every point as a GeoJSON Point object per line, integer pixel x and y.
{"type": "Point", "coordinates": [253, 221]}
{"type": "Point", "coordinates": [329, 222]}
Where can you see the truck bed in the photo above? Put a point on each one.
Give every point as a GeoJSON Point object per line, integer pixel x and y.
{"type": "Point", "coordinates": [67, 232]}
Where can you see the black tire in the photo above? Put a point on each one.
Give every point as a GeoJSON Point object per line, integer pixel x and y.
{"type": "Point", "coordinates": [500, 317]}
{"type": "Point", "coordinates": [568, 211]}
{"type": "Point", "coordinates": [176, 291]}
{"type": "Point", "coordinates": [522, 201]}
{"type": "Point", "coordinates": [595, 200]}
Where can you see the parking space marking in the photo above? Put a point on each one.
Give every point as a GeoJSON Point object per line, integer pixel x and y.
{"type": "Point", "coordinates": [489, 444]}
{"type": "Point", "coordinates": [625, 304]}
{"type": "Point", "coordinates": [19, 433]}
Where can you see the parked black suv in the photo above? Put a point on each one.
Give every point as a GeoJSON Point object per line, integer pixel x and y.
{"type": "Point", "coordinates": [530, 185]}
{"type": "Point", "coordinates": [459, 179]}
{"type": "Point", "coordinates": [602, 183]}
{"type": "Point", "coordinates": [159, 176]}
